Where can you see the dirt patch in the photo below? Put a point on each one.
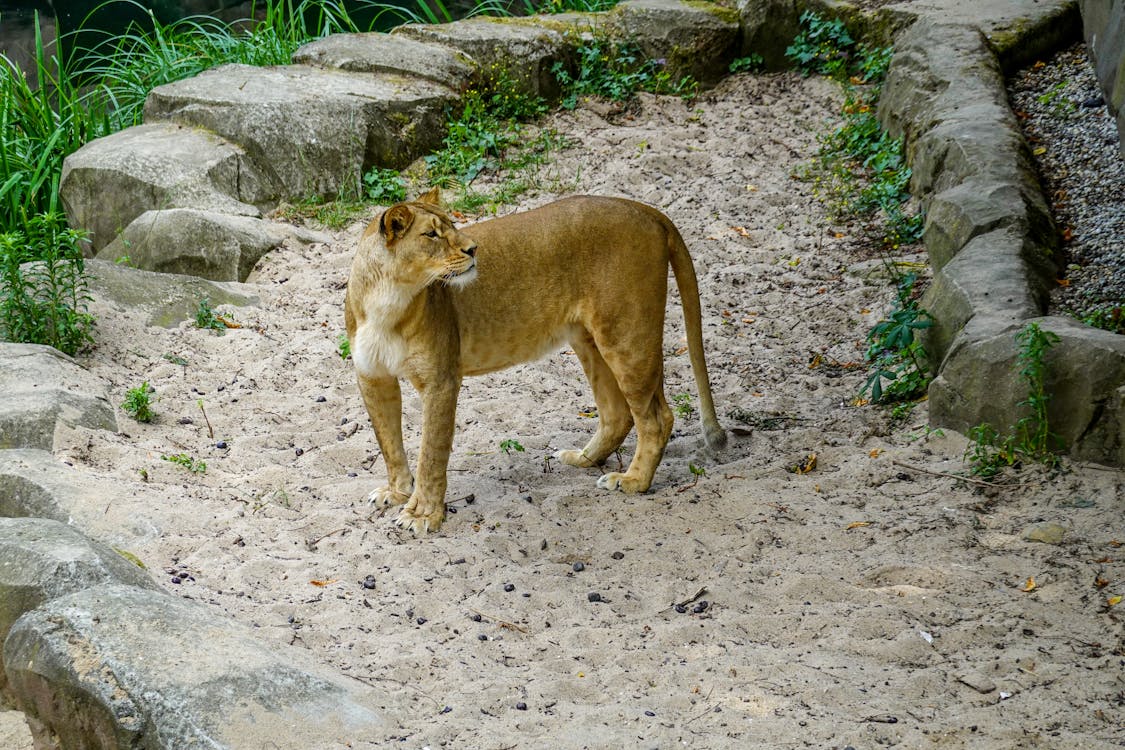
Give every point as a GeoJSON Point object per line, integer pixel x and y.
{"type": "Point", "coordinates": [870, 600]}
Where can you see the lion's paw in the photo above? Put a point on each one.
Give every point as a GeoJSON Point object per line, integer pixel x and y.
{"type": "Point", "coordinates": [420, 523]}
{"type": "Point", "coordinates": [577, 459]}
{"type": "Point", "coordinates": [618, 481]}
{"type": "Point", "coordinates": [386, 496]}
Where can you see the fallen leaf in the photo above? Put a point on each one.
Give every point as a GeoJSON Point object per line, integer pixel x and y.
{"type": "Point", "coordinates": [742, 231]}
{"type": "Point", "coordinates": [1062, 282]}
{"type": "Point", "coordinates": [1113, 601]}
{"type": "Point", "coordinates": [857, 525]}
{"type": "Point", "coordinates": [1040, 151]}
{"type": "Point", "coordinates": [325, 582]}
{"type": "Point", "coordinates": [875, 452]}
{"type": "Point", "coordinates": [752, 188]}
{"type": "Point", "coordinates": [815, 362]}
{"type": "Point", "coordinates": [860, 402]}
{"type": "Point", "coordinates": [806, 465]}
{"type": "Point", "coordinates": [1100, 583]}
{"type": "Point", "coordinates": [865, 311]}
{"type": "Point", "coordinates": [679, 351]}
{"type": "Point", "coordinates": [840, 235]}
{"type": "Point", "coordinates": [1039, 64]}
{"type": "Point", "coordinates": [1030, 585]}
{"type": "Point", "coordinates": [748, 320]}
{"type": "Point", "coordinates": [1114, 543]}
{"type": "Point", "coordinates": [1067, 234]}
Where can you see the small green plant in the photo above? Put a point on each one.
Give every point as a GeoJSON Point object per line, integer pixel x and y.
{"type": "Point", "coordinates": [194, 465]}
{"type": "Point", "coordinates": [343, 346]}
{"type": "Point", "coordinates": [752, 63]}
{"type": "Point", "coordinates": [681, 405]}
{"type": "Point", "coordinates": [894, 351]}
{"type": "Point", "coordinates": [615, 69]}
{"type": "Point", "coordinates": [1107, 318]}
{"type": "Point", "coordinates": [1055, 98]}
{"type": "Point", "coordinates": [510, 445]}
{"type": "Point", "coordinates": [43, 289]}
{"type": "Point", "coordinates": [384, 186]}
{"type": "Point", "coordinates": [138, 402]}
{"type": "Point", "coordinates": [207, 319]}
{"type": "Point", "coordinates": [1031, 438]}
{"type": "Point", "coordinates": [822, 46]}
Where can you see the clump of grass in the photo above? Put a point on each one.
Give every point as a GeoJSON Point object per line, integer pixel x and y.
{"type": "Point", "coordinates": [43, 288]}
{"type": "Point", "coordinates": [138, 403]}
{"type": "Point", "coordinates": [1031, 438]}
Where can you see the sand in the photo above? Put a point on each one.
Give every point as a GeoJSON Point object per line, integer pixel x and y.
{"type": "Point", "coordinates": [875, 600]}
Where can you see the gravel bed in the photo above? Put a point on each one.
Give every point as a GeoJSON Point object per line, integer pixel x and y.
{"type": "Point", "coordinates": [1075, 143]}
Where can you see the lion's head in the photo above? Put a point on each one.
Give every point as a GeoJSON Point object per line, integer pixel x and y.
{"type": "Point", "coordinates": [416, 244]}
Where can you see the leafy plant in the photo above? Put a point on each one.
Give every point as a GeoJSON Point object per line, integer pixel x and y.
{"type": "Point", "coordinates": [615, 69]}
{"type": "Point", "coordinates": [138, 402]}
{"type": "Point", "coordinates": [194, 465]}
{"type": "Point", "coordinates": [1107, 318]}
{"type": "Point", "coordinates": [343, 346]}
{"type": "Point", "coordinates": [384, 186]}
{"type": "Point", "coordinates": [752, 63]}
{"type": "Point", "coordinates": [822, 46]}
{"type": "Point", "coordinates": [894, 351]}
{"type": "Point", "coordinates": [207, 319]}
{"type": "Point", "coordinates": [681, 405]}
{"type": "Point", "coordinates": [1031, 437]}
{"type": "Point", "coordinates": [43, 288]}
{"type": "Point", "coordinates": [510, 445]}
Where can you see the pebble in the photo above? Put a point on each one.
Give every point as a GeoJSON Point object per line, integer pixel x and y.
{"type": "Point", "coordinates": [594, 596]}
{"type": "Point", "coordinates": [509, 587]}
{"type": "Point", "coordinates": [618, 555]}
{"type": "Point", "coordinates": [369, 582]}
{"type": "Point", "coordinates": [521, 706]}
{"type": "Point", "coordinates": [221, 445]}
{"type": "Point", "coordinates": [1074, 140]}
{"type": "Point", "coordinates": [578, 567]}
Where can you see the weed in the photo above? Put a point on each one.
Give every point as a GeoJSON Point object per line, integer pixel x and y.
{"type": "Point", "coordinates": [752, 63]}
{"type": "Point", "coordinates": [895, 353]}
{"type": "Point", "coordinates": [343, 346]}
{"type": "Point", "coordinates": [43, 289]}
{"type": "Point", "coordinates": [138, 403]}
{"type": "Point", "coordinates": [822, 46]}
{"type": "Point", "coordinates": [510, 445]}
{"type": "Point", "coordinates": [1107, 318]}
{"type": "Point", "coordinates": [681, 405]}
{"type": "Point", "coordinates": [1031, 439]}
{"type": "Point", "coordinates": [194, 465]}
{"type": "Point", "coordinates": [207, 319]}
{"type": "Point", "coordinates": [614, 69]}
{"type": "Point", "coordinates": [384, 186]}
{"type": "Point", "coordinates": [1055, 98]}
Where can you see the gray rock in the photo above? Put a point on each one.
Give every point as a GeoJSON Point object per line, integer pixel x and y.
{"type": "Point", "coordinates": [376, 52]}
{"type": "Point", "coordinates": [1046, 533]}
{"type": "Point", "coordinates": [1104, 27]}
{"type": "Point", "coordinates": [112, 180]}
{"type": "Point", "coordinates": [314, 131]}
{"type": "Point", "coordinates": [204, 682]}
{"type": "Point", "coordinates": [165, 299]}
{"type": "Point", "coordinates": [524, 49]}
{"type": "Point", "coordinates": [768, 28]}
{"type": "Point", "coordinates": [42, 559]}
{"type": "Point", "coordinates": [695, 39]}
{"type": "Point", "coordinates": [220, 247]}
{"type": "Point", "coordinates": [42, 388]}
{"type": "Point", "coordinates": [34, 484]}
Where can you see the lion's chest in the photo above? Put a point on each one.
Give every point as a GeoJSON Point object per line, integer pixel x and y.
{"type": "Point", "coordinates": [378, 351]}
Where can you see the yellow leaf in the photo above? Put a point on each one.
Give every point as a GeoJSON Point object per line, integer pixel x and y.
{"type": "Point", "coordinates": [1113, 601]}
{"type": "Point", "coordinates": [325, 582]}
{"type": "Point", "coordinates": [752, 188]}
{"type": "Point", "coordinates": [1040, 151]}
{"type": "Point", "coordinates": [741, 231]}
{"type": "Point", "coordinates": [874, 453]}
{"type": "Point", "coordinates": [857, 525]}
{"type": "Point", "coordinates": [1030, 585]}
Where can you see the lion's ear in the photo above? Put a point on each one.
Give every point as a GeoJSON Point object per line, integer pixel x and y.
{"type": "Point", "coordinates": [396, 220]}
{"type": "Point", "coordinates": [431, 197]}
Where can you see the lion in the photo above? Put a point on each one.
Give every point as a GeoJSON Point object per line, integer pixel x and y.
{"type": "Point", "coordinates": [431, 303]}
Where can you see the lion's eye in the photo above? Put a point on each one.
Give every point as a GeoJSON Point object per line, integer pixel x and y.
{"type": "Point", "coordinates": [432, 234]}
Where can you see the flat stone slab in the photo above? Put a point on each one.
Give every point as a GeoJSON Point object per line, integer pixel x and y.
{"type": "Point", "coordinates": [314, 131]}
{"type": "Point", "coordinates": [35, 484]}
{"type": "Point", "coordinates": [42, 388]}
{"type": "Point", "coordinates": [376, 52]}
{"type": "Point", "coordinates": [165, 299]}
{"type": "Point", "coordinates": [209, 245]}
{"type": "Point", "coordinates": [110, 181]}
{"type": "Point", "coordinates": [74, 665]}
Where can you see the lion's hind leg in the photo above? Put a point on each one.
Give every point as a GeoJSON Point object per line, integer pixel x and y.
{"type": "Point", "coordinates": [614, 417]}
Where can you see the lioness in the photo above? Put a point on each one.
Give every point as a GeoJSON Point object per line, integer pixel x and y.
{"type": "Point", "coordinates": [424, 305]}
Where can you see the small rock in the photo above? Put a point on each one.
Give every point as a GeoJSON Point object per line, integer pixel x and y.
{"type": "Point", "coordinates": [618, 555]}
{"type": "Point", "coordinates": [509, 587]}
{"type": "Point", "coordinates": [300, 451]}
{"type": "Point", "coordinates": [578, 567]}
{"type": "Point", "coordinates": [977, 681]}
{"type": "Point", "coordinates": [521, 706]}
{"type": "Point", "coordinates": [594, 596]}
{"type": "Point", "coordinates": [321, 399]}
{"type": "Point", "coordinates": [369, 582]}
{"type": "Point", "coordinates": [1047, 533]}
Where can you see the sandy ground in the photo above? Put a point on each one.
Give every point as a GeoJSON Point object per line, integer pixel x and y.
{"type": "Point", "coordinates": [875, 600]}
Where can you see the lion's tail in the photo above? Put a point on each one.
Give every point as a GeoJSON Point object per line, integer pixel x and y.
{"type": "Point", "coordinates": [687, 282]}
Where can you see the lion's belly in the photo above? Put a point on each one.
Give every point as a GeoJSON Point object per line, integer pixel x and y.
{"type": "Point", "coordinates": [499, 349]}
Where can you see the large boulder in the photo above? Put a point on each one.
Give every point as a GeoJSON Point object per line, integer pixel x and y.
{"type": "Point", "coordinates": [164, 299]}
{"type": "Point", "coordinates": [116, 666]}
{"type": "Point", "coordinates": [376, 52]}
{"type": "Point", "coordinates": [314, 131]}
{"type": "Point", "coordinates": [41, 559]}
{"type": "Point", "coordinates": [696, 39]}
{"type": "Point", "coordinates": [768, 28]}
{"type": "Point", "coordinates": [112, 180]}
{"type": "Point", "coordinates": [188, 241]}
{"type": "Point", "coordinates": [1104, 25]}
{"type": "Point", "coordinates": [43, 388]}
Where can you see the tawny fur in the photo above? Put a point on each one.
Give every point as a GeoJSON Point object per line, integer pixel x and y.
{"type": "Point", "coordinates": [423, 305]}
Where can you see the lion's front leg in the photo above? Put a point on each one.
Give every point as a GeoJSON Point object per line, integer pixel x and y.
{"type": "Point", "coordinates": [383, 399]}
{"type": "Point", "coordinates": [425, 510]}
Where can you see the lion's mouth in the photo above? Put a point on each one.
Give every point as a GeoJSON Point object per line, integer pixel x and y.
{"type": "Point", "coordinates": [457, 278]}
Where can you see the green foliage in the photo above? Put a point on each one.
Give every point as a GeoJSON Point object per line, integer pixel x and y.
{"type": "Point", "coordinates": [206, 318]}
{"type": "Point", "coordinates": [138, 403]}
{"type": "Point", "coordinates": [194, 465]}
{"type": "Point", "coordinates": [822, 46]}
{"type": "Point", "coordinates": [752, 63]}
{"type": "Point", "coordinates": [343, 346]}
{"type": "Point", "coordinates": [681, 405]}
{"type": "Point", "coordinates": [568, 6]}
{"type": "Point", "coordinates": [43, 291]}
{"type": "Point", "coordinates": [894, 351]}
{"type": "Point", "coordinates": [510, 445]}
{"type": "Point", "coordinates": [615, 69]}
{"type": "Point", "coordinates": [1031, 438]}
{"type": "Point", "coordinates": [1107, 318]}
{"type": "Point", "coordinates": [384, 186]}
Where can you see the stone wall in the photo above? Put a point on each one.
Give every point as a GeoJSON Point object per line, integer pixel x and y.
{"type": "Point", "coordinates": [1103, 23]}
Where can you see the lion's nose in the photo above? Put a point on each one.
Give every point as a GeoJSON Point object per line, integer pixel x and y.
{"type": "Point", "coordinates": [471, 250]}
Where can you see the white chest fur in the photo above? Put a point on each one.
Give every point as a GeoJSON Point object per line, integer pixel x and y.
{"type": "Point", "coordinates": [378, 350]}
